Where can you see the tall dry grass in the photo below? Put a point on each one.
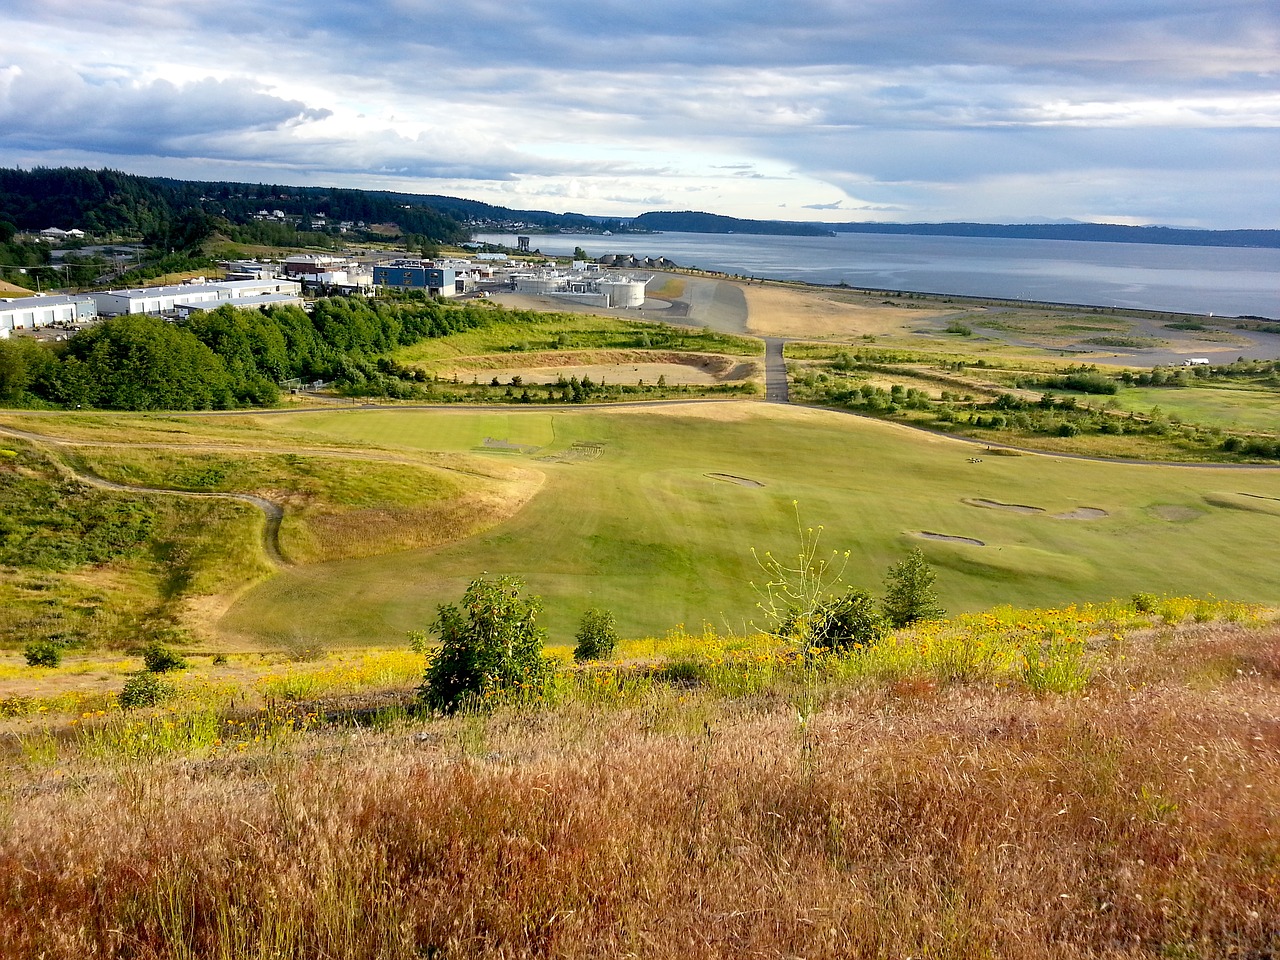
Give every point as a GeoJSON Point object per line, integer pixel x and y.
{"type": "Point", "coordinates": [908, 818]}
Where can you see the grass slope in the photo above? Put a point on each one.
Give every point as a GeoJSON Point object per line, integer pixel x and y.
{"type": "Point", "coordinates": [644, 530]}
{"type": "Point", "coordinates": [1079, 783]}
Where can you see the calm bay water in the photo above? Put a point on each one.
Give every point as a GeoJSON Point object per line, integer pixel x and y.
{"type": "Point", "coordinates": [1225, 281]}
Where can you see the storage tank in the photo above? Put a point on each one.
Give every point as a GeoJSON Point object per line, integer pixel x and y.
{"type": "Point", "coordinates": [623, 291]}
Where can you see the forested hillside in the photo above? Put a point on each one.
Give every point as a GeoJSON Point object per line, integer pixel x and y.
{"type": "Point", "coordinates": [179, 213]}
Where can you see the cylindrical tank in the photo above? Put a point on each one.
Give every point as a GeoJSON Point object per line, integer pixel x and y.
{"type": "Point", "coordinates": [623, 291]}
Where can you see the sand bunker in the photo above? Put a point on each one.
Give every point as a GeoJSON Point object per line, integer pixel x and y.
{"type": "Point", "coordinates": [997, 505]}
{"type": "Point", "coordinates": [1082, 513]}
{"type": "Point", "coordinates": [950, 539]}
{"type": "Point", "coordinates": [730, 478]}
{"type": "Point", "coordinates": [1079, 513]}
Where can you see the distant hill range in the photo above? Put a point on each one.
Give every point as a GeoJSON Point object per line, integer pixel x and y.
{"type": "Point", "coordinates": [1105, 232]}
{"type": "Point", "coordinates": [180, 212]}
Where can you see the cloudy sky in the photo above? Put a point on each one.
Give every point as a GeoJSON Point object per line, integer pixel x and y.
{"type": "Point", "coordinates": [1124, 111]}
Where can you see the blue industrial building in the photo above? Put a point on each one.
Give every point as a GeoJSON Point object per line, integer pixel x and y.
{"type": "Point", "coordinates": [416, 275]}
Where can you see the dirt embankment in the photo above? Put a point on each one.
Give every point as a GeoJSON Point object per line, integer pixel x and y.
{"type": "Point", "coordinates": [611, 365]}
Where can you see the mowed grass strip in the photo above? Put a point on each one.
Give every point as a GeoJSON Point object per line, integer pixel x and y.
{"type": "Point", "coordinates": [1228, 405]}
{"type": "Point", "coordinates": [645, 531]}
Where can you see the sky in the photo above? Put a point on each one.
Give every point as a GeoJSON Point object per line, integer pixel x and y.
{"type": "Point", "coordinates": [1006, 111]}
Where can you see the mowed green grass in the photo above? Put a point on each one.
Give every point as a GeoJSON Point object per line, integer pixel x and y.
{"type": "Point", "coordinates": [645, 532]}
{"type": "Point", "coordinates": [1230, 406]}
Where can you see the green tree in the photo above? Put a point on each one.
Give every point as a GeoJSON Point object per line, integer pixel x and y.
{"type": "Point", "coordinates": [909, 595]}
{"type": "Point", "coordinates": [490, 649]}
{"type": "Point", "coordinates": [597, 635]}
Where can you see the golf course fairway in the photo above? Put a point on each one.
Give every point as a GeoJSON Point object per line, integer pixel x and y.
{"type": "Point", "coordinates": [654, 512]}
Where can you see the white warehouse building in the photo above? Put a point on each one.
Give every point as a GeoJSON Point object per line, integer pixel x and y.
{"type": "Point", "coordinates": [28, 313]}
{"type": "Point", "coordinates": [239, 293]}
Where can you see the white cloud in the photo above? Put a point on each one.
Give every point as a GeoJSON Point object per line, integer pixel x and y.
{"type": "Point", "coordinates": [911, 109]}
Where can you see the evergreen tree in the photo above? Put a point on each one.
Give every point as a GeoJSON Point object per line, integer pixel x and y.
{"type": "Point", "coordinates": [909, 595]}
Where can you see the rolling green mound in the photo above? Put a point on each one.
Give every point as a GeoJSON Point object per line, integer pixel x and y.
{"type": "Point", "coordinates": [653, 513]}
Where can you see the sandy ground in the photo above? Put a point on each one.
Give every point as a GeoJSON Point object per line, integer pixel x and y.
{"type": "Point", "coordinates": [613, 366]}
{"type": "Point", "coordinates": [611, 373]}
{"type": "Point", "coordinates": [815, 313]}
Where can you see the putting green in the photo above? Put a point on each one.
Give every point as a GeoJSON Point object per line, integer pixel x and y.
{"type": "Point", "coordinates": [635, 516]}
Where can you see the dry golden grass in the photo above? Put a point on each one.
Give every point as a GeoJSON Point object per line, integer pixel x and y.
{"type": "Point", "coordinates": [911, 818]}
{"type": "Point", "coordinates": [316, 535]}
{"type": "Point", "coordinates": [794, 311]}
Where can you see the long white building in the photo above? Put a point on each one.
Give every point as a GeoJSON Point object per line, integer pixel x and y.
{"type": "Point", "coordinates": [29, 313]}
{"type": "Point", "coordinates": [113, 303]}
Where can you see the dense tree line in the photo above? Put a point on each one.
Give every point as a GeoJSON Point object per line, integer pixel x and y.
{"type": "Point", "coordinates": [16, 255]}
{"type": "Point", "coordinates": [228, 357]}
{"type": "Point", "coordinates": [179, 214]}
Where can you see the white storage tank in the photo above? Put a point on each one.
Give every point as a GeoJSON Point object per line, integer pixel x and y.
{"type": "Point", "coordinates": [623, 291]}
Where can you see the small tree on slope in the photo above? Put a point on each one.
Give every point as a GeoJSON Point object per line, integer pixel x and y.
{"type": "Point", "coordinates": [909, 592]}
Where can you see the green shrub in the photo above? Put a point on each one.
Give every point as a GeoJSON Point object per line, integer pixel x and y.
{"type": "Point", "coordinates": [490, 649]}
{"type": "Point", "coordinates": [597, 636]}
{"type": "Point", "coordinates": [145, 689]}
{"type": "Point", "coordinates": [909, 592]}
{"type": "Point", "coordinates": [160, 659]}
{"type": "Point", "coordinates": [848, 623]}
{"type": "Point", "coordinates": [1145, 602]}
{"type": "Point", "coordinates": [43, 653]}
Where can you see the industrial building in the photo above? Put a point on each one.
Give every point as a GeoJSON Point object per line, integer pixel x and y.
{"type": "Point", "coordinates": [240, 293]}
{"type": "Point", "coordinates": [438, 281]}
{"type": "Point", "coordinates": [604, 290]}
{"type": "Point", "coordinates": [255, 301]}
{"type": "Point", "coordinates": [29, 313]}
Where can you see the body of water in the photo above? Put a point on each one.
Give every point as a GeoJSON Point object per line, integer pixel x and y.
{"type": "Point", "coordinates": [1224, 281]}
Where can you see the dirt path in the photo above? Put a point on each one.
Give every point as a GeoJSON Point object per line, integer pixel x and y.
{"type": "Point", "coordinates": [272, 511]}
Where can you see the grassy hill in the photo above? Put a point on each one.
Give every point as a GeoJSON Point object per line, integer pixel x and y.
{"type": "Point", "coordinates": [691, 490]}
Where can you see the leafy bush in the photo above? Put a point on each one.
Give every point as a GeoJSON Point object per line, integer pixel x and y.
{"type": "Point", "coordinates": [160, 659]}
{"type": "Point", "coordinates": [490, 650]}
{"type": "Point", "coordinates": [43, 653]}
{"type": "Point", "coordinates": [145, 689]}
{"type": "Point", "coordinates": [1145, 602]}
{"type": "Point", "coordinates": [848, 623]}
{"type": "Point", "coordinates": [909, 592]}
{"type": "Point", "coordinates": [597, 635]}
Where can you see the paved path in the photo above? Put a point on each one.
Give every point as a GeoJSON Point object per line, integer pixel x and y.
{"type": "Point", "coordinates": [775, 371]}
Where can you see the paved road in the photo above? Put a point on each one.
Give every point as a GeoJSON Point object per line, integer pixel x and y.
{"type": "Point", "coordinates": [775, 371]}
